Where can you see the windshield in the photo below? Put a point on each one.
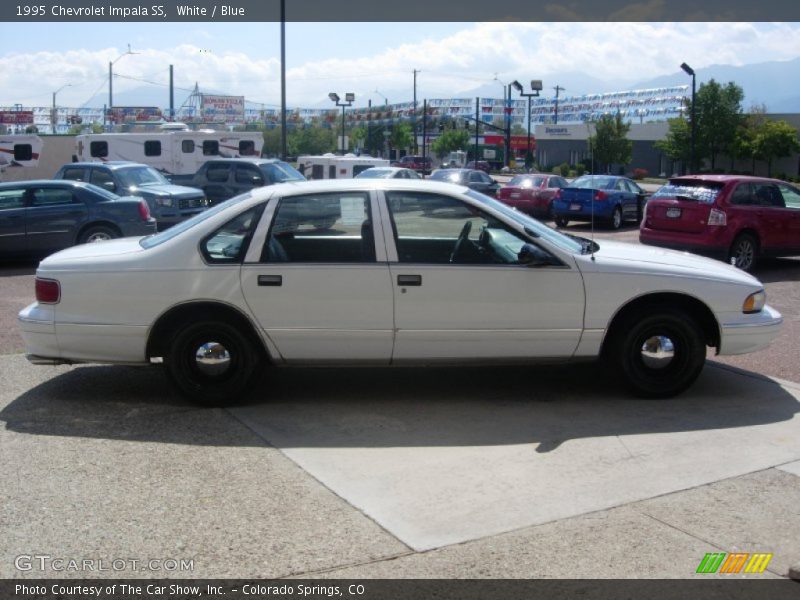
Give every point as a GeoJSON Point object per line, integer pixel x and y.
{"type": "Point", "coordinates": [569, 244]}
{"type": "Point", "coordinates": [701, 191]}
{"type": "Point", "coordinates": [159, 238]}
{"type": "Point", "coordinates": [278, 172]}
{"type": "Point", "coordinates": [140, 176]}
{"type": "Point", "coordinates": [525, 181]}
{"type": "Point", "coordinates": [448, 175]}
{"type": "Point", "coordinates": [594, 182]}
{"type": "Point", "coordinates": [374, 173]}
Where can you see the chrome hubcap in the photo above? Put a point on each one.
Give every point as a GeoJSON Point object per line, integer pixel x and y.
{"type": "Point", "coordinates": [745, 254]}
{"type": "Point", "coordinates": [617, 218]}
{"type": "Point", "coordinates": [658, 352]}
{"type": "Point", "coordinates": [98, 237]}
{"type": "Point", "coordinates": [212, 359]}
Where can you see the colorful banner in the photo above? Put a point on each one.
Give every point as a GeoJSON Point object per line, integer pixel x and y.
{"type": "Point", "coordinates": [135, 114]}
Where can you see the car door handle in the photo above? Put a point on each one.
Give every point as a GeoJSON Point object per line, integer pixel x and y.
{"type": "Point", "coordinates": [409, 280]}
{"type": "Point", "coordinates": [270, 280]}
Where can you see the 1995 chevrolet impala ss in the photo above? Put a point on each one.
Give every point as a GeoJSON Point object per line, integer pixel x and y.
{"type": "Point", "coordinates": [385, 271]}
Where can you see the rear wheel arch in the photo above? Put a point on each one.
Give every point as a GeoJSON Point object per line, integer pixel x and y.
{"type": "Point", "coordinates": [651, 303]}
{"type": "Point", "coordinates": [106, 224]}
{"type": "Point", "coordinates": [178, 317]}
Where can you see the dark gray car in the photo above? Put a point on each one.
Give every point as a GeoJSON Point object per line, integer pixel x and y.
{"type": "Point", "coordinates": [225, 178]}
{"type": "Point", "coordinates": [169, 203]}
{"type": "Point", "coordinates": [42, 216]}
{"type": "Point", "coordinates": [472, 178]}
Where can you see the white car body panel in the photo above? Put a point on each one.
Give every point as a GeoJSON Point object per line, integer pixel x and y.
{"type": "Point", "coordinates": [113, 293]}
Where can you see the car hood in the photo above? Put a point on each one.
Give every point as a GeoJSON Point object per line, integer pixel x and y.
{"type": "Point", "coordinates": [635, 257]}
{"type": "Point", "coordinates": [165, 189]}
{"type": "Point", "coordinates": [97, 250]}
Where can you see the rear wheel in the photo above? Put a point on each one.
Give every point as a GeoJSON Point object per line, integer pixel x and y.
{"type": "Point", "coordinates": [561, 221]}
{"type": "Point", "coordinates": [616, 218]}
{"type": "Point", "coordinates": [212, 362]}
{"type": "Point", "coordinates": [744, 252]}
{"type": "Point", "coordinates": [98, 233]}
{"type": "Point", "coordinates": [659, 353]}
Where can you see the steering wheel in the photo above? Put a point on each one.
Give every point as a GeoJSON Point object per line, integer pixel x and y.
{"type": "Point", "coordinates": [463, 238]}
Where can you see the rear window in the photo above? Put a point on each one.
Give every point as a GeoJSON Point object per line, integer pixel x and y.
{"type": "Point", "coordinates": [705, 192]}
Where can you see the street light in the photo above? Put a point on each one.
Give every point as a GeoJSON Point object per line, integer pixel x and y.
{"type": "Point", "coordinates": [111, 76]}
{"type": "Point", "coordinates": [536, 86]}
{"type": "Point", "coordinates": [54, 114]}
{"type": "Point", "coordinates": [690, 71]}
{"type": "Point", "coordinates": [349, 97]}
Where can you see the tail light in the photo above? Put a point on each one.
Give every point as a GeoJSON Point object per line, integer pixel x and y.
{"type": "Point", "coordinates": [558, 194]}
{"type": "Point", "coordinates": [600, 196]}
{"type": "Point", "coordinates": [48, 291]}
{"type": "Point", "coordinates": [717, 217]}
{"type": "Point", "coordinates": [144, 210]}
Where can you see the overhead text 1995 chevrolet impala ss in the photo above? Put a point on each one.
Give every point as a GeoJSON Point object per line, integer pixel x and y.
{"type": "Point", "coordinates": [385, 271]}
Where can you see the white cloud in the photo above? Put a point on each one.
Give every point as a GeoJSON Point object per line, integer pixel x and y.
{"type": "Point", "coordinates": [450, 65]}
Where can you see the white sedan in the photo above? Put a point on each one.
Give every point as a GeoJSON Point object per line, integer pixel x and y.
{"type": "Point", "coordinates": [383, 272]}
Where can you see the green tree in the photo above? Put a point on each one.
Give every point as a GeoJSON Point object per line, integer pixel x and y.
{"type": "Point", "coordinates": [402, 135]}
{"type": "Point", "coordinates": [451, 139]}
{"type": "Point", "coordinates": [677, 144]}
{"type": "Point", "coordinates": [774, 139]}
{"type": "Point", "coordinates": [610, 143]}
{"type": "Point", "coordinates": [718, 110]}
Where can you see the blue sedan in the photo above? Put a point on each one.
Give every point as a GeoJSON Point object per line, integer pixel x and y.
{"type": "Point", "coordinates": [42, 216]}
{"type": "Point", "coordinates": [604, 198]}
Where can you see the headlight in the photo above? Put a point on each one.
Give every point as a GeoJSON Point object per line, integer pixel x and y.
{"type": "Point", "coordinates": [754, 302]}
{"type": "Point", "coordinates": [166, 201]}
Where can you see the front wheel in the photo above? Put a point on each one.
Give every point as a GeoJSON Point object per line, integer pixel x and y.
{"type": "Point", "coordinates": [744, 252]}
{"type": "Point", "coordinates": [561, 221]}
{"type": "Point", "coordinates": [212, 362]}
{"type": "Point", "coordinates": [659, 353]}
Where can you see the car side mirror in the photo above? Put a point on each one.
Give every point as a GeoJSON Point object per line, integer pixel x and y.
{"type": "Point", "coordinates": [110, 186]}
{"type": "Point", "coordinates": [533, 256]}
{"type": "Point", "coordinates": [258, 180]}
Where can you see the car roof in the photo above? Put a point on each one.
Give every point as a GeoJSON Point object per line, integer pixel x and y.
{"type": "Point", "coordinates": [723, 178]}
{"type": "Point", "coordinates": [51, 182]}
{"type": "Point", "coordinates": [321, 186]}
{"type": "Point", "coordinates": [113, 164]}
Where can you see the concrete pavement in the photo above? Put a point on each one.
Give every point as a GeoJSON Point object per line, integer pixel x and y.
{"type": "Point", "coordinates": [491, 472]}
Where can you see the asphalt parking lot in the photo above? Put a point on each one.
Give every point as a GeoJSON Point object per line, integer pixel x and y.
{"type": "Point", "coordinates": [501, 472]}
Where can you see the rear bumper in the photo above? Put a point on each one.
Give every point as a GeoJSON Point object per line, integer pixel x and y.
{"type": "Point", "coordinates": [750, 332]}
{"type": "Point", "coordinates": [713, 248]}
{"type": "Point", "coordinates": [602, 210]}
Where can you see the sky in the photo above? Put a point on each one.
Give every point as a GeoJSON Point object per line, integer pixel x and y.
{"type": "Point", "coordinates": [373, 60]}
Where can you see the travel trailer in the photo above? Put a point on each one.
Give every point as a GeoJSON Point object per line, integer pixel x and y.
{"type": "Point", "coordinates": [19, 151]}
{"type": "Point", "coordinates": [330, 166]}
{"type": "Point", "coordinates": [171, 151]}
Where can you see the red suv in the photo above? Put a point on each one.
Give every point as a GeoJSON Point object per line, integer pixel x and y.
{"type": "Point", "coordinates": [420, 164]}
{"type": "Point", "coordinates": [731, 217]}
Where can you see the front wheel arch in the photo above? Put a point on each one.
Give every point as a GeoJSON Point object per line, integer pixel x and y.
{"type": "Point", "coordinates": [694, 307]}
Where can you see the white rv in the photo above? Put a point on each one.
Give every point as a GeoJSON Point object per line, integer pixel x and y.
{"type": "Point", "coordinates": [173, 152]}
{"type": "Point", "coordinates": [19, 151]}
{"type": "Point", "coordinates": [330, 166]}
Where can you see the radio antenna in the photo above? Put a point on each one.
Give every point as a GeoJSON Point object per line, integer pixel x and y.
{"type": "Point", "coordinates": [591, 181]}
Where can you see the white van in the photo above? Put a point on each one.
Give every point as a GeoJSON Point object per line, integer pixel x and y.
{"type": "Point", "coordinates": [330, 166]}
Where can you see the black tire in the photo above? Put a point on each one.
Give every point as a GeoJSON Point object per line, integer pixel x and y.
{"type": "Point", "coordinates": [649, 376]}
{"type": "Point", "coordinates": [551, 212]}
{"type": "Point", "coordinates": [98, 233]}
{"type": "Point", "coordinates": [639, 210]}
{"type": "Point", "coordinates": [214, 384]}
{"type": "Point", "coordinates": [744, 252]}
{"type": "Point", "coordinates": [616, 219]}
{"type": "Point", "coordinates": [561, 221]}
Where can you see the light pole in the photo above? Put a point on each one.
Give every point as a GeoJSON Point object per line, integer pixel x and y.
{"type": "Point", "coordinates": [111, 77]}
{"type": "Point", "coordinates": [349, 97]}
{"type": "Point", "coordinates": [536, 86]}
{"type": "Point", "coordinates": [690, 71]}
{"type": "Point", "coordinates": [54, 114]}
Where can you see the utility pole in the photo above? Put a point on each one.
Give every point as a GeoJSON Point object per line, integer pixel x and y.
{"type": "Point", "coordinates": [414, 118]}
{"type": "Point", "coordinates": [171, 95]}
{"type": "Point", "coordinates": [558, 88]}
{"type": "Point", "coordinates": [283, 79]}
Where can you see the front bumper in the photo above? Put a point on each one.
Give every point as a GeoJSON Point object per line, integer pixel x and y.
{"type": "Point", "coordinates": [750, 332]}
